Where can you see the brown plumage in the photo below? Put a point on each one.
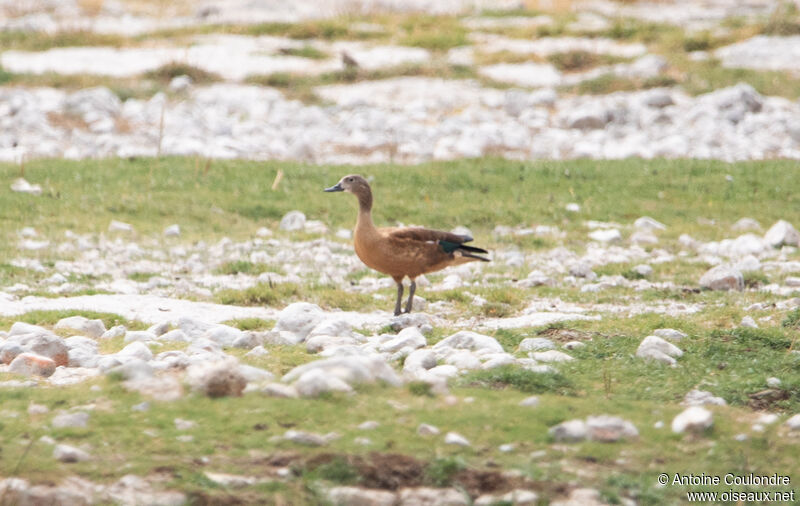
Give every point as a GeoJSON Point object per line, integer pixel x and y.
{"type": "Point", "coordinates": [402, 252]}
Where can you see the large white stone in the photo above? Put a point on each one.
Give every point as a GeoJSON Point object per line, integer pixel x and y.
{"type": "Point", "coordinates": [782, 233]}
{"type": "Point", "coordinates": [653, 347]}
{"type": "Point", "coordinates": [466, 339]}
{"type": "Point", "coordinates": [692, 419]}
{"type": "Point", "coordinates": [299, 319]}
{"type": "Point", "coordinates": [722, 277]}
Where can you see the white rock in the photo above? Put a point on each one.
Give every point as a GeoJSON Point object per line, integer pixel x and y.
{"type": "Point", "coordinates": [132, 369]}
{"type": "Point", "coordinates": [172, 231]}
{"type": "Point", "coordinates": [536, 344]}
{"type": "Point", "coordinates": [316, 382]}
{"type": "Point", "coordinates": [305, 438]}
{"type": "Point", "coordinates": [425, 429]}
{"type": "Point", "coordinates": [280, 390]}
{"type": "Point", "coordinates": [551, 356]}
{"type": "Point", "coordinates": [531, 402]}
{"type": "Point", "coordinates": [231, 480]}
{"type": "Point", "coordinates": [20, 185]}
{"type": "Point", "coordinates": [748, 322]}
{"type": "Point", "coordinates": [217, 379]}
{"type": "Point", "coordinates": [608, 428]}
{"type": "Point", "coordinates": [419, 320]}
{"type": "Point", "coordinates": [782, 233]}
{"type": "Point", "coordinates": [569, 431]}
{"type": "Point", "coordinates": [181, 83]}
{"type": "Point", "coordinates": [573, 207]}
{"type": "Point", "coordinates": [174, 336]}
{"type": "Point", "coordinates": [31, 364]}
{"type": "Point", "coordinates": [136, 349]}
{"type": "Point", "coordinates": [79, 419]}
{"type": "Point", "coordinates": [114, 332]}
{"type": "Point", "coordinates": [419, 360]}
{"type": "Point", "coordinates": [225, 335]}
{"type": "Point", "coordinates": [298, 319]}
{"type": "Point", "coordinates": [653, 347]}
{"type": "Point", "coordinates": [701, 397]}
{"type": "Point", "coordinates": [648, 223]}
{"type": "Point", "coordinates": [517, 497]}
{"type": "Point", "coordinates": [409, 337]}
{"type": "Point", "coordinates": [66, 453]}
{"type": "Point", "coordinates": [606, 235]}
{"type": "Point", "coordinates": [139, 335]}
{"type": "Point", "coordinates": [350, 369]}
{"type": "Point", "coordinates": [425, 496]}
{"type": "Point", "coordinates": [793, 423]}
{"type": "Point", "coordinates": [773, 382]}
{"type": "Point", "coordinates": [293, 221]}
{"type": "Point", "coordinates": [332, 327]}
{"type": "Point", "coordinates": [91, 328]}
{"type": "Point", "coordinates": [466, 339]}
{"type": "Point", "coordinates": [454, 438]}
{"type": "Point", "coordinates": [722, 277]}
{"type": "Point", "coordinates": [669, 334]}
{"type": "Point", "coordinates": [692, 419]}
{"type": "Point", "coordinates": [464, 360]}
{"type": "Point", "coordinates": [119, 226]}
{"type": "Point", "coordinates": [356, 496]}
{"type": "Point", "coordinates": [745, 224]}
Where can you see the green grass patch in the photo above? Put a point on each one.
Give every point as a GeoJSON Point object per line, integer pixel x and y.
{"type": "Point", "coordinates": [168, 72]}
{"type": "Point", "coordinates": [305, 52]}
{"type": "Point", "coordinates": [41, 41]}
{"type": "Point", "coordinates": [576, 61]}
{"type": "Point", "coordinates": [783, 21]}
{"type": "Point", "coordinates": [174, 190]}
{"type": "Point", "coordinates": [520, 379]}
{"type": "Point", "coordinates": [705, 77]}
{"type": "Point", "coordinates": [262, 294]}
{"type": "Point", "coordinates": [437, 33]}
{"type": "Point", "coordinates": [251, 324]}
{"type": "Point", "coordinates": [247, 267]}
{"type": "Point", "coordinates": [440, 472]}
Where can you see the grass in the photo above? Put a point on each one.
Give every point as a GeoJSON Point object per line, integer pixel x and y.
{"type": "Point", "coordinates": [610, 83]}
{"type": "Point", "coordinates": [40, 41]}
{"type": "Point", "coordinates": [437, 33]}
{"type": "Point", "coordinates": [784, 20]}
{"type": "Point", "coordinates": [168, 72]}
{"type": "Point", "coordinates": [305, 52]}
{"type": "Point", "coordinates": [675, 192]}
{"type": "Point", "coordinates": [705, 77]}
{"type": "Point", "coordinates": [576, 61]}
{"type": "Point", "coordinates": [247, 267]}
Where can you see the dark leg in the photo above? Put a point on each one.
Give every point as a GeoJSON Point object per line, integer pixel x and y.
{"type": "Point", "coordinates": [399, 297]}
{"type": "Point", "coordinates": [411, 289]}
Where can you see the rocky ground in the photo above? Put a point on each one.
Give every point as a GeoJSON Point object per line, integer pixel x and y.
{"type": "Point", "coordinates": [120, 79]}
{"type": "Point", "coordinates": [197, 329]}
{"type": "Point", "coordinates": [614, 339]}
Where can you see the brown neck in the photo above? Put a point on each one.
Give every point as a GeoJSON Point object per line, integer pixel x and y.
{"type": "Point", "coordinates": [364, 208]}
{"type": "Point", "coordinates": [364, 196]}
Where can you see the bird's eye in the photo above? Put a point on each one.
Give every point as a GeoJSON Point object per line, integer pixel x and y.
{"type": "Point", "coordinates": [349, 179]}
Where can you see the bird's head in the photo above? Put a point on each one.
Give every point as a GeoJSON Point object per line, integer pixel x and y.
{"type": "Point", "coordinates": [352, 183]}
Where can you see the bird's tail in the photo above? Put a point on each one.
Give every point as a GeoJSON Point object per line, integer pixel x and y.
{"type": "Point", "coordinates": [463, 251]}
{"type": "Point", "coordinates": [469, 252]}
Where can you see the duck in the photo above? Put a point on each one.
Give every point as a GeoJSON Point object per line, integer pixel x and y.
{"type": "Point", "coordinates": [403, 252]}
